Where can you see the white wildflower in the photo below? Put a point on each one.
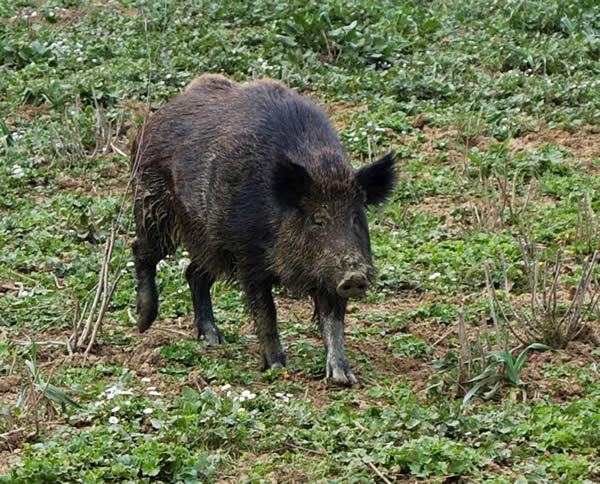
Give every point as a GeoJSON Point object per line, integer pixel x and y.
{"type": "Point", "coordinates": [434, 276]}
{"type": "Point", "coordinates": [148, 411]}
{"type": "Point", "coordinates": [17, 171]}
{"type": "Point", "coordinates": [113, 420]}
{"type": "Point", "coordinates": [225, 387]}
{"type": "Point", "coordinates": [115, 409]}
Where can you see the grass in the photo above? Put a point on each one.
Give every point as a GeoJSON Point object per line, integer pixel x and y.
{"type": "Point", "coordinates": [467, 93]}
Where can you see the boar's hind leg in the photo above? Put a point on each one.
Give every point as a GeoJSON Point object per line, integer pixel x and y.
{"type": "Point", "coordinates": [146, 257]}
{"type": "Point", "coordinates": [155, 240]}
{"type": "Point", "coordinates": [204, 319]}
{"type": "Point", "coordinates": [263, 311]}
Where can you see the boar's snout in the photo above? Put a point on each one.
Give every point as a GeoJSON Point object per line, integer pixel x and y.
{"type": "Point", "coordinates": [353, 284]}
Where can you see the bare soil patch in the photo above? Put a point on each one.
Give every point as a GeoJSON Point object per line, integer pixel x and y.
{"type": "Point", "coordinates": [29, 113]}
{"type": "Point", "coordinates": [583, 142]}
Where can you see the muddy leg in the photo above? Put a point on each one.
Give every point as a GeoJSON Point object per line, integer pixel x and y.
{"type": "Point", "coordinates": [330, 311]}
{"type": "Point", "coordinates": [146, 257]}
{"type": "Point", "coordinates": [263, 311]}
{"type": "Point", "coordinates": [204, 319]}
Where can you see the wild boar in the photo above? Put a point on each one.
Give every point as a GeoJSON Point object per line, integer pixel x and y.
{"type": "Point", "coordinates": [253, 180]}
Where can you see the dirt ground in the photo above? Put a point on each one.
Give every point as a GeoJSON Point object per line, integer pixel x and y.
{"type": "Point", "coordinates": [145, 358]}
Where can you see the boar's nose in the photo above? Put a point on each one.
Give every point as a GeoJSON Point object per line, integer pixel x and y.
{"type": "Point", "coordinates": [354, 284]}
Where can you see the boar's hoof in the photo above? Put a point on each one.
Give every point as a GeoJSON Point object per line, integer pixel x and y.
{"type": "Point", "coordinates": [146, 307]}
{"type": "Point", "coordinates": [339, 372]}
{"type": "Point", "coordinates": [211, 334]}
{"type": "Point", "coordinates": [146, 316]}
{"type": "Point", "coordinates": [143, 324]}
{"type": "Point", "coordinates": [273, 360]}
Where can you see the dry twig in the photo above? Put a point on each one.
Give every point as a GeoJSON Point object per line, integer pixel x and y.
{"type": "Point", "coordinates": [378, 472]}
{"type": "Point", "coordinates": [546, 321]}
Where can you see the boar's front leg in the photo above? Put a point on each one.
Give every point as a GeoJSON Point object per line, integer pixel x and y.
{"type": "Point", "coordinates": [264, 314]}
{"type": "Point", "coordinates": [204, 319]}
{"type": "Point", "coordinates": [330, 311]}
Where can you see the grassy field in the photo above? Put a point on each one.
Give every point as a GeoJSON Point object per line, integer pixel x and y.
{"type": "Point", "coordinates": [494, 110]}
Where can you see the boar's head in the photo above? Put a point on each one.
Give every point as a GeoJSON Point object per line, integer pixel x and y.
{"type": "Point", "coordinates": [322, 245]}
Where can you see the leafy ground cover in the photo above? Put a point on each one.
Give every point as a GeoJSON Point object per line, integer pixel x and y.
{"type": "Point", "coordinates": [493, 108]}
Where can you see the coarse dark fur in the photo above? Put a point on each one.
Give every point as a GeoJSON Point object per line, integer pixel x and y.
{"type": "Point", "coordinates": [255, 183]}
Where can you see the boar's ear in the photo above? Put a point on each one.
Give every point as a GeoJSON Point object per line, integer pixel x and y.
{"type": "Point", "coordinates": [378, 179]}
{"type": "Point", "coordinates": [290, 183]}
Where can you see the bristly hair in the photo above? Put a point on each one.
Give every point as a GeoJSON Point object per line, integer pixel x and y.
{"type": "Point", "coordinates": [378, 179]}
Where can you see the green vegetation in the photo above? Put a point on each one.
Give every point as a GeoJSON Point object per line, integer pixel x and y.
{"type": "Point", "coordinates": [493, 108]}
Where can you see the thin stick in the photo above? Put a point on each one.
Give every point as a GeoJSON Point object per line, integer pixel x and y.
{"type": "Point", "coordinates": [318, 452]}
{"type": "Point", "coordinates": [490, 290]}
{"type": "Point", "coordinates": [86, 329]}
{"type": "Point", "coordinates": [117, 150]}
{"type": "Point", "coordinates": [130, 316]}
{"type": "Point", "coordinates": [102, 288]}
{"type": "Point", "coordinates": [462, 344]}
{"type": "Point", "coordinates": [172, 331]}
{"type": "Point", "coordinates": [43, 343]}
{"type": "Point", "coordinates": [34, 405]}
{"type": "Point", "coordinates": [103, 308]}
{"type": "Point", "coordinates": [360, 426]}
{"type": "Point", "coordinates": [8, 435]}
{"type": "Point", "coordinates": [385, 479]}
{"type": "Point", "coordinates": [12, 364]}
{"type": "Point", "coordinates": [23, 276]}
{"type": "Point", "coordinates": [443, 337]}
{"type": "Point", "coordinates": [56, 283]}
